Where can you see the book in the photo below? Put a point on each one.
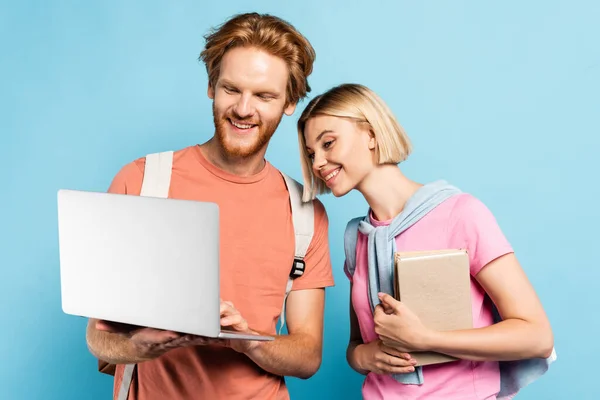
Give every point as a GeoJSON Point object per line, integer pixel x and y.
{"type": "Point", "coordinates": [436, 286]}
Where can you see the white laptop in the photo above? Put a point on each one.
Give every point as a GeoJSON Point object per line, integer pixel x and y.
{"type": "Point", "coordinates": [143, 261]}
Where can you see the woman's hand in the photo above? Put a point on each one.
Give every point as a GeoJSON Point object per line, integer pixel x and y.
{"type": "Point", "coordinates": [398, 327]}
{"type": "Point", "coordinates": [381, 359]}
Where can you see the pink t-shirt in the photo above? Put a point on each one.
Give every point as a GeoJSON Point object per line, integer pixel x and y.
{"type": "Point", "coordinates": [460, 222]}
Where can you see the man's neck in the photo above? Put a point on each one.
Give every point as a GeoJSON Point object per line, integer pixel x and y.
{"type": "Point", "coordinates": [240, 166]}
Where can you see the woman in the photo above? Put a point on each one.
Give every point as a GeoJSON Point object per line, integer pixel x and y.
{"type": "Point", "coordinates": [349, 140]}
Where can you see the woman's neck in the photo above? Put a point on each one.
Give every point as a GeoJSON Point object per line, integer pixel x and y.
{"type": "Point", "coordinates": [386, 189]}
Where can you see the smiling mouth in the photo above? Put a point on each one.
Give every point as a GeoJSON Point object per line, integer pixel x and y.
{"type": "Point", "coordinates": [240, 125]}
{"type": "Point", "coordinates": [332, 174]}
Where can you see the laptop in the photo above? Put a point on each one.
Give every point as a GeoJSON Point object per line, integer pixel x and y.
{"type": "Point", "coordinates": [144, 261]}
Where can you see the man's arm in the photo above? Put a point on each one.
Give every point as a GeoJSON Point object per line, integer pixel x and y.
{"type": "Point", "coordinates": [126, 344]}
{"type": "Point", "coordinates": [298, 353]}
{"type": "Point", "coordinates": [111, 347]}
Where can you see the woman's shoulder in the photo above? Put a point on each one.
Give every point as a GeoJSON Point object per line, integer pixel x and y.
{"type": "Point", "coordinates": [468, 206]}
{"type": "Point", "coordinates": [471, 218]}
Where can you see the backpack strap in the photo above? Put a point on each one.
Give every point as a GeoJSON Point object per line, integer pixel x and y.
{"type": "Point", "coordinates": [350, 239]}
{"type": "Point", "coordinates": [156, 183]}
{"type": "Point", "coordinates": [303, 221]}
{"type": "Point", "coordinates": [157, 174]}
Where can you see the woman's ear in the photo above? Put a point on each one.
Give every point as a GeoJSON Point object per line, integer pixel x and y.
{"type": "Point", "coordinates": [372, 141]}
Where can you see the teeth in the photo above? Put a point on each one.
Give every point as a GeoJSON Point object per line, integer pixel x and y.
{"type": "Point", "coordinates": [331, 175]}
{"type": "Point", "coordinates": [241, 126]}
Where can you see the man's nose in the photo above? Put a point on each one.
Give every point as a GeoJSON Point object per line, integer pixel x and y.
{"type": "Point", "coordinates": [244, 107]}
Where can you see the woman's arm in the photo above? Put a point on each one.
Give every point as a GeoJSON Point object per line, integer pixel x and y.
{"type": "Point", "coordinates": [374, 356]}
{"type": "Point", "coordinates": [524, 331]}
{"type": "Point", "coordinates": [355, 340]}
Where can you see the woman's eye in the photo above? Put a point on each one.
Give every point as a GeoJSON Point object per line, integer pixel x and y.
{"type": "Point", "coordinates": [327, 144]}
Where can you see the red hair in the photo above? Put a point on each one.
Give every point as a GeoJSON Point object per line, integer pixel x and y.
{"type": "Point", "coordinates": [268, 33]}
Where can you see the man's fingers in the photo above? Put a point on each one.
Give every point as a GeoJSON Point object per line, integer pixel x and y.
{"type": "Point", "coordinates": [139, 334]}
{"type": "Point", "coordinates": [229, 312]}
{"type": "Point", "coordinates": [233, 319]}
{"type": "Point", "coordinates": [105, 326]}
{"type": "Point", "coordinates": [115, 327]}
{"type": "Point", "coordinates": [230, 317]}
{"type": "Point", "coordinates": [149, 336]}
{"type": "Point", "coordinates": [226, 307]}
{"type": "Point", "coordinates": [204, 341]}
{"type": "Point", "coordinates": [177, 342]}
{"type": "Point", "coordinates": [193, 340]}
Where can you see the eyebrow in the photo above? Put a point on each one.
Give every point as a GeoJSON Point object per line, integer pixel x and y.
{"type": "Point", "coordinates": [321, 135]}
{"type": "Point", "coordinates": [226, 82]}
{"type": "Point", "coordinates": [274, 93]}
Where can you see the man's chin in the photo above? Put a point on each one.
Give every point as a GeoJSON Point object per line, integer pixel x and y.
{"type": "Point", "coordinates": [236, 147]}
{"type": "Point", "coordinates": [237, 150]}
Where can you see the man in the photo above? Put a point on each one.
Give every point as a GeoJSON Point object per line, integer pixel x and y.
{"type": "Point", "coordinates": [257, 67]}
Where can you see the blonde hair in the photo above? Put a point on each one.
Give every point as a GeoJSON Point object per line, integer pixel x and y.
{"type": "Point", "coordinates": [268, 33]}
{"type": "Point", "coordinates": [362, 105]}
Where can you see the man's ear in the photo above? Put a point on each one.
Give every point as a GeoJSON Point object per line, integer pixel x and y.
{"type": "Point", "coordinates": [289, 109]}
{"type": "Point", "coordinates": [211, 91]}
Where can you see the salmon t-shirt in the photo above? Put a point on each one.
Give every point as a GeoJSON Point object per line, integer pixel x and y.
{"type": "Point", "coordinates": [257, 251]}
{"type": "Point", "coordinates": [461, 222]}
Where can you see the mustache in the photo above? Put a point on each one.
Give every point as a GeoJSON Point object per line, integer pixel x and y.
{"type": "Point", "coordinates": [245, 120]}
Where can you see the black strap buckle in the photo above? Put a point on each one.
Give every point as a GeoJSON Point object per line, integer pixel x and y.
{"type": "Point", "coordinates": [298, 267]}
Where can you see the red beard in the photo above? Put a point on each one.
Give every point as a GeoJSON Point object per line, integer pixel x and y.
{"type": "Point", "coordinates": [243, 149]}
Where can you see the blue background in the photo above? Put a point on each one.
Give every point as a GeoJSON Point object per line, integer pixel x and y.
{"type": "Point", "coordinates": [500, 99]}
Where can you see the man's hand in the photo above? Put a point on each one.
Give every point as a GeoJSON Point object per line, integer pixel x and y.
{"type": "Point", "coordinates": [149, 343]}
{"type": "Point", "coordinates": [232, 319]}
{"type": "Point", "coordinates": [142, 343]}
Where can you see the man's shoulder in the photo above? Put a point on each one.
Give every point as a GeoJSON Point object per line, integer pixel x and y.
{"type": "Point", "coordinates": [319, 208]}
{"type": "Point", "coordinates": [129, 177]}
{"type": "Point", "coordinates": [179, 155]}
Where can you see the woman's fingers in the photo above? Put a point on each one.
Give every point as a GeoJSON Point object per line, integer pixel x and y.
{"type": "Point", "coordinates": [394, 352]}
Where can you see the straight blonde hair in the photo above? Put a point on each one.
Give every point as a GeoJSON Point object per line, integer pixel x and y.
{"type": "Point", "coordinates": [362, 105]}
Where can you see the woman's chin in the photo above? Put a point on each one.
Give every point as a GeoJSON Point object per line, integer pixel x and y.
{"type": "Point", "coordinates": [338, 192]}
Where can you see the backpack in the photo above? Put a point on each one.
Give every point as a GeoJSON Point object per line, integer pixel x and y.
{"type": "Point", "coordinates": [350, 240]}
{"type": "Point", "coordinates": [156, 183]}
